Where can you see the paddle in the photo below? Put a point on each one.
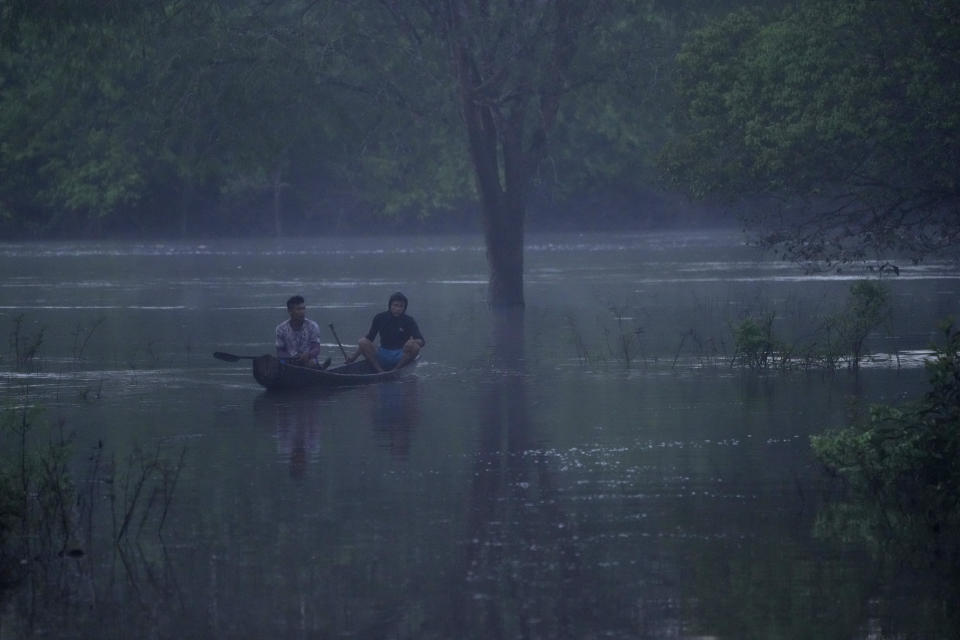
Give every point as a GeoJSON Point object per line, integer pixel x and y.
{"type": "Point", "coordinates": [229, 357]}
{"type": "Point", "coordinates": [342, 350]}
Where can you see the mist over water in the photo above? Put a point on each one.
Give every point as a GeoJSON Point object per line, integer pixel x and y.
{"type": "Point", "coordinates": [530, 480]}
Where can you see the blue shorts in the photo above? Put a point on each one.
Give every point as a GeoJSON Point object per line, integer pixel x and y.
{"type": "Point", "coordinates": [389, 357]}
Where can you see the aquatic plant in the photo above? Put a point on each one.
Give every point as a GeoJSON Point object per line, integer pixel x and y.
{"type": "Point", "coordinates": [866, 309]}
{"type": "Point", "coordinates": [694, 338]}
{"type": "Point", "coordinates": [754, 345]}
{"type": "Point", "coordinates": [82, 335]}
{"type": "Point", "coordinates": [579, 344]}
{"type": "Point", "coordinates": [10, 516]}
{"type": "Point", "coordinates": [627, 338]}
{"type": "Point", "coordinates": [143, 492]}
{"type": "Point", "coordinates": [621, 343]}
{"type": "Point", "coordinates": [49, 512]}
{"type": "Point", "coordinates": [24, 348]}
{"type": "Point", "coordinates": [841, 337]}
{"type": "Point", "coordinates": [36, 491]}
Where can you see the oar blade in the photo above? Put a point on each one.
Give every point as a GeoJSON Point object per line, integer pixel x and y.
{"type": "Point", "coordinates": [226, 357]}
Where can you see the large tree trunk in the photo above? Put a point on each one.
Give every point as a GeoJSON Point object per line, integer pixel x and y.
{"type": "Point", "coordinates": [503, 232]}
{"type": "Point", "coordinates": [503, 203]}
{"type": "Point", "coordinates": [508, 109]}
{"type": "Point", "coordinates": [503, 212]}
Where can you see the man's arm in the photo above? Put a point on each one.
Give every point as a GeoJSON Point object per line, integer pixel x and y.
{"type": "Point", "coordinates": [374, 328]}
{"type": "Point", "coordinates": [313, 341]}
{"type": "Point", "coordinates": [370, 335]}
{"type": "Point", "coordinates": [415, 332]}
{"type": "Point", "coordinates": [280, 343]}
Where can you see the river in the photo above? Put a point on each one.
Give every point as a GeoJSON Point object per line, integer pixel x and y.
{"type": "Point", "coordinates": [591, 468]}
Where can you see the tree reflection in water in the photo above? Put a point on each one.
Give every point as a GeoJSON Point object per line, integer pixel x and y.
{"type": "Point", "coordinates": [520, 563]}
{"type": "Point", "coordinates": [914, 563]}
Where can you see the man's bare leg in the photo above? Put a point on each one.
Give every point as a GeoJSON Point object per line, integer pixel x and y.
{"type": "Point", "coordinates": [410, 351]}
{"type": "Point", "coordinates": [369, 351]}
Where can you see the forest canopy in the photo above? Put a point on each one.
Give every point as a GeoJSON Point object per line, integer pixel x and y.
{"type": "Point", "coordinates": [265, 117]}
{"type": "Point", "coordinates": [831, 126]}
{"type": "Point", "coordinates": [840, 117]}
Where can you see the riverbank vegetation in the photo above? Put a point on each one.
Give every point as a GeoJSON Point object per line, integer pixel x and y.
{"type": "Point", "coordinates": [839, 116]}
{"type": "Point", "coordinates": [68, 508]}
{"type": "Point", "coordinates": [839, 338]}
{"type": "Point", "coordinates": [906, 459]}
{"type": "Point", "coordinates": [835, 338]}
{"type": "Point", "coordinates": [60, 519]}
{"type": "Point", "coordinates": [900, 475]}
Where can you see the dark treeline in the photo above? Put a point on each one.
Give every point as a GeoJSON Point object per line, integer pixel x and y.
{"type": "Point", "coordinates": [259, 117]}
{"type": "Point", "coordinates": [255, 117]}
{"type": "Point", "coordinates": [842, 115]}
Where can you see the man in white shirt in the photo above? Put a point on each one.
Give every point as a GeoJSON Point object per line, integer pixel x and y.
{"type": "Point", "coordinates": [298, 337]}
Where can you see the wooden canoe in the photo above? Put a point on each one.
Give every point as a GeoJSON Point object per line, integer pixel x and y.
{"type": "Point", "coordinates": [274, 374]}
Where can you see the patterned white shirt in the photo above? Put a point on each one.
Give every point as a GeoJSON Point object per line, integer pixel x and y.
{"type": "Point", "coordinates": [291, 343]}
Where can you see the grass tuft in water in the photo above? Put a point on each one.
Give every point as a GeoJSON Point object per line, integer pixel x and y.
{"type": "Point", "coordinates": [23, 347]}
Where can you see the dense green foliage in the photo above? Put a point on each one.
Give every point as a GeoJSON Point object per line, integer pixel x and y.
{"type": "Point", "coordinates": [754, 345]}
{"type": "Point", "coordinates": [904, 462]}
{"type": "Point", "coordinates": [866, 309]}
{"type": "Point", "coordinates": [254, 117]}
{"type": "Point", "coordinates": [843, 112]}
{"type": "Point", "coordinates": [837, 119]}
{"type": "Point", "coordinates": [146, 117]}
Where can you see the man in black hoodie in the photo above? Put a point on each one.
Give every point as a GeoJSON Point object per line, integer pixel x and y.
{"type": "Point", "coordinates": [400, 337]}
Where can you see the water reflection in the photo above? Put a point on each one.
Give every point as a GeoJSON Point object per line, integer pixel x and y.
{"type": "Point", "coordinates": [521, 564]}
{"type": "Point", "coordinates": [914, 546]}
{"type": "Point", "coordinates": [517, 494]}
{"type": "Point", "coordinates": [500, 471]}
{"type": "Point", "coordinates": [295, 420]}
{"type": "Point", "coordinates": [396, 414]}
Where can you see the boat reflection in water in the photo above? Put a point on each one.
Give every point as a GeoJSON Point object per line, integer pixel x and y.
{"type": "Point", "coordinates": [296, 421]}
{"type": "Point", "coordinates": [396, 413]}
{"type": "Point", "coordinates": [297, 418]}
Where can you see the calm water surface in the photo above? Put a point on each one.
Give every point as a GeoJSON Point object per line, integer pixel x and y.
{"type": "Point", "coordinates": [535, 478]}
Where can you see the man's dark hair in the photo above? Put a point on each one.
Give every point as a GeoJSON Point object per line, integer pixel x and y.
{"type": "Point", "coordinates": [398, 296]}
{"type": "Point", "coordinates": [294, 301]}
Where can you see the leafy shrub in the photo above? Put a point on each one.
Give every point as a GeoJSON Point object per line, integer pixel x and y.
{"type": "Point", "coordinates": [842, 336]}
{"type": "Point", "coordinates": [866, 309]}
{"type": "Point", "coordinates": [753, 342]}
{"type": "Point", "coordinates": [908, 456]}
